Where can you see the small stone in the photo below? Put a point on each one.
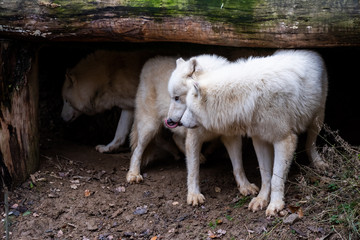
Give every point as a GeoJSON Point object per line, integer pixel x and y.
{"type": "Point", "coordinates": [120, 189]}
{"type": "Point", "coordinates": [60, 234]}
{"type": "Point", "coordinates": [91, 225]}
{"type": "Point", "coordinates": [52, 195]}
{"type": "Point", "coordinates": [141, 210]}
{"type": "Point", "coordinates": [292, 218]}
{"type": "Point", "coordinates": [283, 213]}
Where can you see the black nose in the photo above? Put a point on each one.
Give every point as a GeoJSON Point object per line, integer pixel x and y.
{"type": "Point", "coordinates": [170, 122]}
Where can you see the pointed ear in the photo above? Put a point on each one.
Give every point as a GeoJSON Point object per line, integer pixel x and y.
{"type": "Point", "coordinates": [70, 77]}
{"type": "Point", "coordinates": [192, 63]}
{"type": "Point", "coordinates": [179, 61]}
{"type": "Point", "coordinates": [196, 66]}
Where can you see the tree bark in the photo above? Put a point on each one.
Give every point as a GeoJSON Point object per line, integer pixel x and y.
{"type": "Point", "coordinates": [19, 139]}
{"type": "Point", "coordinates": [248, 23]}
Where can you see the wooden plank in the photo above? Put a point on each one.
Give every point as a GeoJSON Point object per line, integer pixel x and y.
{"type": "Point", "coordinates": [19, 138]}
{"type": "Point", "coordinates": [247, 23]}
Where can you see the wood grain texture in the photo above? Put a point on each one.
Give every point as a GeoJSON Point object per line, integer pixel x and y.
{"type": "Point", "coordinates": [247, 23]}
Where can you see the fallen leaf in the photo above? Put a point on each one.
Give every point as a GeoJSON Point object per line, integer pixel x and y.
{"type": "Point", "coordinates": [73, 186]}
{"type": "Point", "coordinates": [154, 238]}
{"type": "Point", "coordinates": [211, 234]}
{"type": "Point", "coordinates": [298, 210]}
{"type": "Point", "coordinates": [293, 209]}
{"type": "Point", "coordinates": [14, 206]}
{"type": "Point", "coordinates": [26, 213]}
{"type": "Point", "coordinates": [87, 193]}
{"type": "Point", "coordinates": [175, 203]}
{"type": "Point", "coordinates": [217, 189]}
{"type": "Point", "coordinates": [300, 213]}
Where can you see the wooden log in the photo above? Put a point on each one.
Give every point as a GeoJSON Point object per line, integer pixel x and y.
{"type": "Point", "coordinates": [19, 139]}
{"type": "Point", "coordinates": [248, 23]}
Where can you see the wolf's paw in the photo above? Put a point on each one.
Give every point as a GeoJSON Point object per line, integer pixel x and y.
{"type": "Point", "coordinates": [103, 148]}
{"type": "Point", "coordinates": [248, 189]}
{"type": "Point", "coordinates": [258, 203]}
{"type": "Point", "coordinates": [321, 165]}
{"type": "Point", "coordinates": [274, 207]}
{"type": "Point", "coordinates": [133, 178]}
{"type": "Point", "coordinates": [195, 199]}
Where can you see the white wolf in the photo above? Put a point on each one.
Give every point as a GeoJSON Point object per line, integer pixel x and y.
{"type": "Point", "coordinates": [270, 99]}
{"type": "Point", "coordinates": [99, 82]}
{"type": "Point", "coordinates": [152, 104]}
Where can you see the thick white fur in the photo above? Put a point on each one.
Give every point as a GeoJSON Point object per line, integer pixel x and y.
{"type": "Point", "coordinates": [152, 102]}
{"type": "Point", "coordinates": [270, 99]}
{"type": "Point", "coordinates": [180, 82]}
{"type": "Point", "coordinates": [99, 82]}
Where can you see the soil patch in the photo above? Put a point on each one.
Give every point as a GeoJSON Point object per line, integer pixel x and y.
{"type": "Point", "coordinates": [79, 193]}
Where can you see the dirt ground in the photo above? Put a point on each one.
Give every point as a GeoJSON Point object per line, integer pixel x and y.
{"type": "Point", "coordinates": [81, 194]}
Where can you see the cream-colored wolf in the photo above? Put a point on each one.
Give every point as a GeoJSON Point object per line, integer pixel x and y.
{"type": "Point", "coordinates": [99, 82]}
{"type": "Point", "coordinates": [270, 99]}
{"type": "Point", "coordinates": [152, 104]}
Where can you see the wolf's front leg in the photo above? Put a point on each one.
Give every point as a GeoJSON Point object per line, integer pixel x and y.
{"type": "Point", "coordinates": [284, 151]}
{"type": "Point", "coordinates": [140, 138]}
{"type": "Point", "coordinates": [193, 147]}
{"type": "Point", "coordinates": [233, 146]}
{"type": "Point", "coordinates": [122, 131]}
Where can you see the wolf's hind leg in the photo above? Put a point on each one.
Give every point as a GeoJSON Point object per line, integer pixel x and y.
{"type": "Point", "coordinates": [122, 131]}
{"type": "Point", "coordinates": [265, 155]}
{"type": "Point", "coordinates": [233, 146]}
{"type": "Point", "coordinates": [312, 133]}
{"type": "Point", "coordinates": [284, 153]}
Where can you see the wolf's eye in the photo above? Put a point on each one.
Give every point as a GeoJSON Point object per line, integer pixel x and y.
{"type": "Point", "coordinates": [68, 102]}
{"type": "Point", "coordinates": [177, 98]}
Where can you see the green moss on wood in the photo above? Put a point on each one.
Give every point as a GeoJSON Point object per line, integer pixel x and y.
{"type": "Point", "coordinates": [242, 18]}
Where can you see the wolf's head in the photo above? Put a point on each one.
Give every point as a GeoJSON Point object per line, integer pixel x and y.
{"type": "Point", "coordinates": [69, 94]}
{"type": "Point", "coordinates": [182, 79]}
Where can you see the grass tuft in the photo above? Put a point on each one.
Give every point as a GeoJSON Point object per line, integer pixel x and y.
{"type": "Point", "coordinates": [333, 196]}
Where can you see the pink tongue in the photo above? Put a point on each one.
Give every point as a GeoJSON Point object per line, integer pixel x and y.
{"type": "Point", "coordinates": [171, 126]}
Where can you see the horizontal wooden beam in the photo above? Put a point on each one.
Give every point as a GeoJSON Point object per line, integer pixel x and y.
{"type": "Point", "coordinates": [247, 23]}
